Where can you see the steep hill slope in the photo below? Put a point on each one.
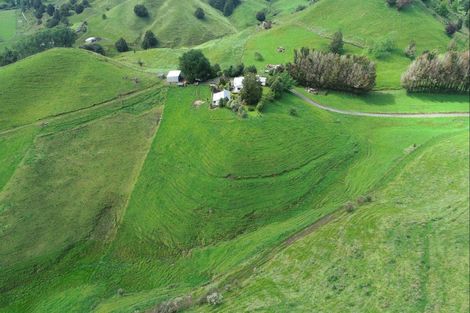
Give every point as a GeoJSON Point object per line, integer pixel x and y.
{"type": "Point", "coordinates": [406, 252]}
{"type": "Point", "coordinates": [173, 22]}
{"type": "Point", "coordinates": [58, 81]}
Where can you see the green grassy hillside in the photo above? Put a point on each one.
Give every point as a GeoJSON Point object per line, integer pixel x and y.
{"type": "Point", "coordinates": [408, 251]}
{"type": "Point", "coordinates": [389, 101]}
{"type": "Point", "coordinates": [58, 81]}
{"type": "Point", "coordinates": [312, 28]}
{"type": "Point", "coordinates": [119, 194]}
{"type": "Point", "coordinates": [215, 194]}
{"type": "Point", "coordinates": [173, 22]}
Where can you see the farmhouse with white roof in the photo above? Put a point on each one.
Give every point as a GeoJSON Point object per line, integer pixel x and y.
{"type": "Point", "coordinates": [224, 94]}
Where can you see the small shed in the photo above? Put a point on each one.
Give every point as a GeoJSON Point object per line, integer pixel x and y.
{"type": "Point", "coordinates": [224, 94]}
{"type": "Point", "coordinates": [238, 84]}
{"type": "Point", "coordinates": [173, 77]}
{"type": "Point", "coordinates": [262, 80]}
{"type": "Point", "coordinates": [90, 40]}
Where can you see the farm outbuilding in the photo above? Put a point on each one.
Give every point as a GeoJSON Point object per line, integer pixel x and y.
{"type": "Point", "coordinates": [90, 40]}
{"type": "Point", "coordinates": [238, 84]}
{"type": "Point", "coordinates": [173, 77]}
{"type": "Point", "coordinates": [262, 80]}
{"type": "Point", "coordinates": [224, 94]}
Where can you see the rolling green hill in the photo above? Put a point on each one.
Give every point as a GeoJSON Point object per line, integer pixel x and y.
{"type": "Point", "coordinates": [406, 252]}
{"type": "Point", "coordinates": [212, 194]}
{"type": "Point", "coordinates": [59, 81]}
{"type": "Point", "coordinates": [313, 28]}
{"type": "Point", "coordinates": [173, 22]}
{"type": "Point", "coordinates": [121, 194]}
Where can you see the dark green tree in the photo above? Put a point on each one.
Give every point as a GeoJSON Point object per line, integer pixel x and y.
{"type": "Point", "coordinates": [250, 69]}
{"type": "Point", "coordinates": [199, 14]}
{"type": "Point", "coordinates": [141, 11]}
{"type": "Point", "coordinates": [94, 47]}
{"type": "Point", "coordinates": [252, 91]}
{"type": "Point", "coordinates": [8, 57]}
{"type": "Point", "coordinates": [79, 8]}
{"type": "Point", "coordinates": [150, 41]}
{"type": "Point", "coordinates": [50, 9]}
{"type": "Point", "coordinates": [229, 7]}
{"type": "Point", "coordinates": [121, 45]}
{"type": "Point", "coordinates": [261, 16]}
{"type": "Point", "coordinates": [195, 65]}
{"type": "Point", "coordinates": [337, 43]}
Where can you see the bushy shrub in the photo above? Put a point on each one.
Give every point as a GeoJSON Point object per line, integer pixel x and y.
{"type": "Point", "coordinates": [234, 70]}
{"type": "Point", "coordinates": [94, 47]}
{"type": "Point", "coordinates": [349, 207]}
{"type": "Point", "coordinates": [225, 6]}
{"type": "Point", "coordinates": [280, 83]}
{"type": "Point", "coordinates": [382, 48]}
{"type": "Point", "coordinates": [410, 50]}
{"type": "Point", "coordinates": [250, 69]}
{"type": "Point", "coordinates": [141, 11]}
{"type": "Point", "coordinates": [200, 14]}
{"type": "Point", "coordinates": [450, 29]}
{"type": "Point", "coordinates": [337, 43]}
{"type": "Point", "coordinates": [38, 42]}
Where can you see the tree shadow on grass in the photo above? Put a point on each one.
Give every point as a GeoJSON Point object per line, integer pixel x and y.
{"type": "Point", "coordinates": [440, 98]}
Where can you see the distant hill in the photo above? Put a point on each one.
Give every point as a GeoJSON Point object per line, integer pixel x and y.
{"type": "Point", "coordinates": [58, 81]}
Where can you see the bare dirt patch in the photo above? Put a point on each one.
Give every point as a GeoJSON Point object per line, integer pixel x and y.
{"type": "Point", "coordinates": [198, 103]}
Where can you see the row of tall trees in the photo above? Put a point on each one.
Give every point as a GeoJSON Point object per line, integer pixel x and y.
{"type": "Point", "coordinates": [225, 6]}
{"type": "Point", "coordinates": [332, 71]}
{"type": "Point", "coordinates": [40, 41]}
{"type": "Point", "coordinates": [433, 73]}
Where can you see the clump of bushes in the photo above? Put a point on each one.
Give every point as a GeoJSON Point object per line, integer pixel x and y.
{"type": "Point", "coordinates": [40, 41]}
{"type": "Point", "coordinates": [410, 50]}
{"type": "Point", "coordinates": [94, 47]}
{"type": "Point", "coordinates": [225, 6]}
{"type": "Point", "coordinates": [280, 83]}
{"type": "Point", "coordinates": [349, 207]}
{"type": "Point", "coordinates": [382, 48]}
{"type": "Point", "coordinates": [215, 298]}
{"type": "Point", "coordinates": [234, 70]}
